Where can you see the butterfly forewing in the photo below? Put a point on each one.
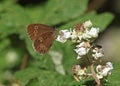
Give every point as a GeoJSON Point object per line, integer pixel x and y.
{"type": "Point", "coordinates": [35, 30]}
{"type": "Point", "coordinates": [42, 37]}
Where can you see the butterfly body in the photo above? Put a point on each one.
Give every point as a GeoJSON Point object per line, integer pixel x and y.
{"type": "Point", "coordinates": [42, 37]}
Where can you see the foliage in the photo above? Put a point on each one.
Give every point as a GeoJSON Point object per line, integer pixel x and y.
{"type": "Point", "coordinates": [15, 43]}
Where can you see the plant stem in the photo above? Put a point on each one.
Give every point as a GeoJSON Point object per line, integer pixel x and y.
{"type": "Point", "coordinates": [24, 61]}
{"type": "Point", "coordinates": [89, 60]}
{"type": "Point", "coordinates": [94, 75]}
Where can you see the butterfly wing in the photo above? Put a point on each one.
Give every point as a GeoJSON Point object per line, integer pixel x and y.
{"type": "Point", "coordinates": [35, 30]}
{"type": "Point", "coordinates": [43, 43]}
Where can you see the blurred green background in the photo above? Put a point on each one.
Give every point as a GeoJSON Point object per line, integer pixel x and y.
{"type": "Point", "coordinates": [20, 65]}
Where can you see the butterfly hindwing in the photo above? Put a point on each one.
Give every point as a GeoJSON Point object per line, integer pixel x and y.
{"type": "Point", "coordinates": [43, 43]}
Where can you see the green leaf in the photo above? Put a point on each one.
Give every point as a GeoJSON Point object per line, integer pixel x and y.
{"type": "Point", "coordinates": [103, 20]}
{"type": "Point", "coordinates": [4, 44]}
{"type": "Point", "coordinates": [113, 80]}
{"type": "Point", "coordinates": [26, 75]}
{"type": "Point", "coordinates": [12, 20]}
{"type": "Point", "coordinates": [97, 20]}
{"type": "Point", "coordinates": [58, 11]}
{"type": "Point", "coordinates": [36, 13]}
{"type": "Point", "coordinates": [69, 56]}
{"type": "Point", "coordinates": [31, 76]}
{"type": "Point", "coordinates": [10, 58]}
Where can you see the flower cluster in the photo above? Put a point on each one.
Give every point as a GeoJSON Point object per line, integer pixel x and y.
{"type": "Point", "coordinates": [104, 71]}
{"type": "Point", "coordinates": [97, 52]}
{"type": "Point", "coordinates": [79, 73]}
{"type": "Point", "coordinates": [82, 35]}
{"type": "Point", "coordinates": [80, 32]}
{"type": "Point", "coordinates": [82, 49]}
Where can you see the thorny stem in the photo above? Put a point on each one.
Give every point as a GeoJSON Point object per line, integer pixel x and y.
{"type": "Point", "coordinates": [94, 75]}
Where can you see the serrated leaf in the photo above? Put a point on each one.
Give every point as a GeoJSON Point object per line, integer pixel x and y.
{"type": "Point", "coordinates": [12, 19]}
{"type": "Point", "coordinates": [49, 78]}
{"type": "Point", "coordinates": [103, 20]}
{"type": "Point", "coordinates": [97, 20]}
{"type": "Point", "coordinates": [35, 13]}
{"type": "Point", "coordinates": [4, 44]}
{"type": "Point", "coordinates": [26, 75]}
{"type": "Point", "coordinates": [43, 77]}
{"type": "Point", "coordinates": [58, 11]}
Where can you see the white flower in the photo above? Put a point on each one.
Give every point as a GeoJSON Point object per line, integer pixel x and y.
{"type": "Point", "coordinates": [75, 69]}
{"type": "Point", "coordinates": [81, 72]}
{"type": "Point", "coordinates": [87, 24]}
{"type": "Point", "coordinates": [81, 44]}
{"type": "Point", "coordinates": [73, 36]}
{"type": "Point", "coordinates": [86, 35]}
{"type": "Point", "coordinates": [92, 33]}
{"type": "Point", "coordinates": [61, 39]}
{"type": "Point", "coordinates": [64, 35]}
{"type": "Point", "coordinates": [109, 64]}
{"type": "Point", "coordinates": [78, 72]}
{"type": "Point", "coordinates": [103, 71]}
{"type": "Point", "coordinates": [106, 71]}
{"type": "Point", "coordinates": [81, 51]}
{"type": "Point", "coordinates": [100, 76]}
{"type": "Point", "coordinates": [99, 71]}
{"type": "Point", "coordinates": [78, 57]}
{"type": "Point", "coordinates": [108, 68]}
{"type": "Point", "coordinates": [98, 68]}
{"type": "Point", "coordinates": [80, 38]}
{"type": "Point", "coordinates": [97, 53]}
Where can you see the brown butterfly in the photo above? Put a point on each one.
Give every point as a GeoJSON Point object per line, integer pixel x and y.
{"type": "Point", "coordinates": [42, 37]}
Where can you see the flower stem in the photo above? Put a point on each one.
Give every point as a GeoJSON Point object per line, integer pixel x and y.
{"type": "Point", "coordinates": [94, 75]}
{"type": "Point", "coordinates": [89, 60]}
